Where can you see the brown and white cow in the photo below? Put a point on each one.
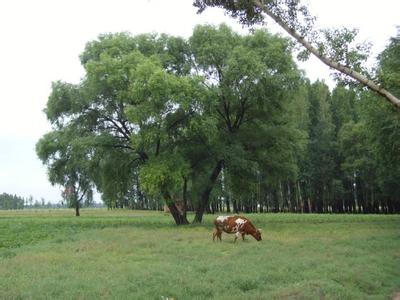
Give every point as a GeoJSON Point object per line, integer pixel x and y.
{"type": "Point", "coordinates": [237, 225]}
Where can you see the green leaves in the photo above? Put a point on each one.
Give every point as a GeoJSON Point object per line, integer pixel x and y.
{"type": "Point", "coordinates": [154, 111]}
{"type": "Point", "coordinates": [64, 101]}
{"type": "Point", "coordinates": [212, 45]}
{"type": "Point", "coordinates": [163, 175]}
{"type": "Point", "coordinates": [340, 45]}
{"type": "Point", "coordinates": [389, 69]}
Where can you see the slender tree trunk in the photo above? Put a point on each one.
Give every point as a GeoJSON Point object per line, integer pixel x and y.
{"type": "Point", "coordinates": [289, 196]}
{"type": "Point", "coordinates": [78, 202]}
{"type": "Point", "coordinates": [205, 196]}
{"type": "Point", "coordinates": [235, 206]}
{"type": "Point", "coordinates": [275, 200]}
{"type": "Point", "coordinates": [77, 214]}
{"type": "Point", "coordinates": [281, 198]}
{"type": "Point", "coordinates": [184, 197]}
{"type": "Point", "coordinates": [300, 197]}
{"type": "Point", "coordinates": [228, 207]}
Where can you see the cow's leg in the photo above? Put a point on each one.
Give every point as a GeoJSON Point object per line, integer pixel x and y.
{"type": "Point", "coordinates": [237, 234]}
{"type": "Point", "coordinates": [243, 234]}
{"type": "Point", "coordinates": [217, 233]}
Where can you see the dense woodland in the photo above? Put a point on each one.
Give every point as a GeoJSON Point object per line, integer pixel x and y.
{"type": "Point", "coordinates": [221, 122]}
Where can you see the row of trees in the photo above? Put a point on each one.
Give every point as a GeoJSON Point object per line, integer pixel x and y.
{"type": "Point", "coordinates": [349, 162]}
{"type": "Point", "coordinates": [218, 121]}
{"type": "Point", "coordinates": [8, 201]}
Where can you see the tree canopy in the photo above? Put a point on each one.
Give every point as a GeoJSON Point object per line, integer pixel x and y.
{"type": "Point", "coordinates": [336, 48]}
{"type": "Point", "coordinates": [155, 113]}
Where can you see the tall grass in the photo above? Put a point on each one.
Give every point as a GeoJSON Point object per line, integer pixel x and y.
{"type": "Point", "coordinates": [135, 255]}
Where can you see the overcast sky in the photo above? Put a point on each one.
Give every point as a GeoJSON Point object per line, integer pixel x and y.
{"type": "Point", "coordinates": [41, 41]}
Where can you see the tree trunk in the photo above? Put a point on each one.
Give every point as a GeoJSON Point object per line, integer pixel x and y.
{"type": "Point", "coordinates": [289, 197]}
{"type": "Point", "coordinates": [184, 196]}
{"type": "Point", "coordinates": [179, 218]}
{"type": "Point", "coordinates": [228, 207]}
{"type": "Point", "coordinates": [281, 198]}
{"type": "Point", "coordinates": [176, 214]}
{"type": "Point", "coordinates": [309, 205]}
{"type": "Point", "coordinates": [300, 197]}
{"type": "Point", "coordinates": [235, 206]}
{"type": "Point", "coordinates": [205, 196]}
{"type": "Point", "coordinates": [77, 214]}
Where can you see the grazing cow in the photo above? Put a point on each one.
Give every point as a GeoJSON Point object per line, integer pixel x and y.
{"type": "Point", "coordinates": [235, 224]}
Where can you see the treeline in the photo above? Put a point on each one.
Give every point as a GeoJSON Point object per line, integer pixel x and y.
{"type": "Point", "coordinates": [8, 201]}
{"type": "Point", "coordinates": [220, 122]}
{"type": "Point", "coordinates": [347, 163]}
{"type": "Point", "coordinates": [349, 160]}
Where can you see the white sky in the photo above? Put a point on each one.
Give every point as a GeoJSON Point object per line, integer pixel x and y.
{"type": "Point", "coordinates": [41, 41]}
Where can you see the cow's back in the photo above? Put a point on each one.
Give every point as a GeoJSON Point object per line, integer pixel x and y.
{"type": "Point", "coordinates": [231, 224]}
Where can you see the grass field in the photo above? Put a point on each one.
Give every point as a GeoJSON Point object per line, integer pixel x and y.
{"type": "Point", "coordinates": [50, 254]}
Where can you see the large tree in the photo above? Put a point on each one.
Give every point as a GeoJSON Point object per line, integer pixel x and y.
{"type": "Point", "coordinates": [251, 81]}
{"type": "Point", "coordinates": [168, 115]}
{"type": "Point", "coordinates": [121, 72]}
{"type": "Point", "coordinates": [335, 48]}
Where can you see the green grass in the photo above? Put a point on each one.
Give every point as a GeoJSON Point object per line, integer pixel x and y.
{"type": "Point", "coordinates": [141, 255]}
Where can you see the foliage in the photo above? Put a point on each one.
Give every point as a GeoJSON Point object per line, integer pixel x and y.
{"type": "Point", "coordinates": [67, 161]}
{"type": "Point", "coordinates": [252, 95]}
{"type": "Point", "coordinates": [8, 201]}
{"type": "Point", "coordinates": [336, 48]}
{"type": "Point", "coordinates": [162, 119]}
{"type": "Point", "coordinates": [389, 65]}
{"type": "Point", "coordinates": [155, 113]}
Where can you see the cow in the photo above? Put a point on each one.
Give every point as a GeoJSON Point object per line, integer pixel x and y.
{"type": "Point", "coordinates": [235, 224]}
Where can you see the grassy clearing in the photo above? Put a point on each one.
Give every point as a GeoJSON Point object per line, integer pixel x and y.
{"type": "Point", "coordinates": [138, 255]}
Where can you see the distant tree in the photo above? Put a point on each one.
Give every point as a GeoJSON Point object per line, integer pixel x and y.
{"type": "Point", "coordinates": [8, 201]}
{"type": "Point", "coordinates": [319, 168]}
{"type": "Point", "coordinates": [30, 200]}
{"type": "Point", "coordinates": [67, 161]}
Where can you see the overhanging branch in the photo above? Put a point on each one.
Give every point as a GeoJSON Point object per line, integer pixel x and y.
{"type": "Point", "coordinates": [328, 61]}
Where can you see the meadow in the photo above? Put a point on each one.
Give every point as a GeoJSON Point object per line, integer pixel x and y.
{"type": "Point", "coordinates": [122, 254]}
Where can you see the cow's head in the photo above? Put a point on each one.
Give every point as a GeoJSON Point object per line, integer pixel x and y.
{"type": "Point", "coordinates": [257, 235]}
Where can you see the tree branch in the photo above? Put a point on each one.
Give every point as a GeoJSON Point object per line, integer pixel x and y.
{"type": "Point", "coordinates": [328, 61]}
